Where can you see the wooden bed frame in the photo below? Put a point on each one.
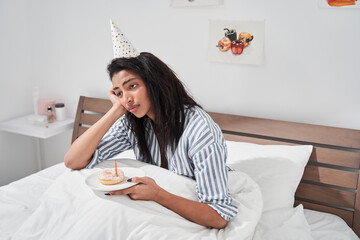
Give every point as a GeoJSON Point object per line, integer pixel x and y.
{"type": "Point", "coordinates": [331, 180]}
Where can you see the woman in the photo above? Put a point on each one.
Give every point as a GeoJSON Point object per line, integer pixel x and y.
{"type": "Point", "coordinates": [153, 115]}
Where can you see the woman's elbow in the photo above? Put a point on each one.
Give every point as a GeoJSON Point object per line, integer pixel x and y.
{"type": "Point", "coordinates": [71, 163]}
{"type": "Point", "coordinates": [68, 161]}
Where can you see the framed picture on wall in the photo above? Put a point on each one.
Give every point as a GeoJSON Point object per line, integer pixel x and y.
{"type": "Point", "coordinates": [195, 3]}
{"type": "Point", "coordinates": [339, 4]}
{"type": "Point", "coordinates": [239, 42]}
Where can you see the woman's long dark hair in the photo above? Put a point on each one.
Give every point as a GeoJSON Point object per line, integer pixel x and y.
{"type": "Point", "coordinates": [168, 98]}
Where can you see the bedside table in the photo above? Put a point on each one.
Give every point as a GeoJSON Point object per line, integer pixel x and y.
{"type": "Point", "coordinates": [26, 125]}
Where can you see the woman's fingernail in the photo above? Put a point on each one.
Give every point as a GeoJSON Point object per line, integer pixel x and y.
{"type": "Point", "coordinates": [107, 193]}
{"type": "Point", "coordinates": [129, 180]}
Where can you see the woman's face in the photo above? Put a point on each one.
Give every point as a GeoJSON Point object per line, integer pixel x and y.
{"type": "Point", "coordinates": [133, 95]}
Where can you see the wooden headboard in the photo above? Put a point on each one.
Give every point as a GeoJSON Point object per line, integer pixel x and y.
{"type": "Point", "coordinates": [331, 179]}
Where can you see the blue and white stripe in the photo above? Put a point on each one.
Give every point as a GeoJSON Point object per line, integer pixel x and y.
{"type": "Point", "coordinates": [201, 154]}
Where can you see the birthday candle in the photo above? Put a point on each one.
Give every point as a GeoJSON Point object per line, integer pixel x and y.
{"type": "Point", "coordinates": [115, 167]}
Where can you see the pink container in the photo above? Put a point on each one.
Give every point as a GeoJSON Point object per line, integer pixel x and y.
{"type": "Point", "coordinates": [43, 104]}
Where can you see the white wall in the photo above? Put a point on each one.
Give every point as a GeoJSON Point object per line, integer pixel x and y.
{"type": "Point", "coordinates": [310, 72]}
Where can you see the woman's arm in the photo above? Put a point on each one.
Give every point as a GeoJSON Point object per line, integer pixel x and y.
{"type": "Point", "coordinates": [82, 149]}
{"type": "Point", "coordinates": [197, 212]}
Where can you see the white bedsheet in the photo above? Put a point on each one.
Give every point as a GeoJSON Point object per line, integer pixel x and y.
{"type": "Point", "coordinates": [56, 204]}
{"type": "Point", "coordinates": [325, 226]}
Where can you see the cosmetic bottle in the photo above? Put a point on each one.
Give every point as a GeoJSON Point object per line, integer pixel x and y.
{"type": "Point", "coordinates": [50, 115]}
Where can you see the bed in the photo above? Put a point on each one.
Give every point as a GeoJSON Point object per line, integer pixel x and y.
{"type": "Point", "coordinates": [290, 180]}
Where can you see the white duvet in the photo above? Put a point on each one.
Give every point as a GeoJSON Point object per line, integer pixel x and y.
{"type": "Point", "coordinates": [45, 206]}
{"type": "Point", "coordinates": [69, 209]}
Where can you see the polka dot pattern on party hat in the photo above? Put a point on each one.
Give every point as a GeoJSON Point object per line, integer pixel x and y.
{"type": "Point", "coordinates": [121, 45]}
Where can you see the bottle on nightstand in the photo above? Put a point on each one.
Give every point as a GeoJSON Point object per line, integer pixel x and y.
{"type": "Point", "coordinates": [50, 115]}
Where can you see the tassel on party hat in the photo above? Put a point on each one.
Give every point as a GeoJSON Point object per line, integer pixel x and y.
{"type": "Point", "coordinates": [122, 46]}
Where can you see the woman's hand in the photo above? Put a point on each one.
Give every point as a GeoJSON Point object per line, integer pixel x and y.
{"type": "Point", "coordinates": [198, 212]}
{"type": "Point", "coordinates": [115, 100]}
{"type": "Point", "coordinates": [146, 189]}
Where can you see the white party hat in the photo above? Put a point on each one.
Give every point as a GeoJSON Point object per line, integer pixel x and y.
{"type": "Point", "coordinates": [122, 46]}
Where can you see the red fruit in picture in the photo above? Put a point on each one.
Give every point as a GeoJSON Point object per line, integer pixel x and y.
{"type": "Point", "coordinates": [237, 47]}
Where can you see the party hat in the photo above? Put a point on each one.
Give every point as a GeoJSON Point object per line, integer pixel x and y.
{"type": "Point", "coordinates": [122, 46]}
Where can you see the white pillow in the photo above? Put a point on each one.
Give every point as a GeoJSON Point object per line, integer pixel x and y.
{"type": "Point", "coordinates": [277, 169]}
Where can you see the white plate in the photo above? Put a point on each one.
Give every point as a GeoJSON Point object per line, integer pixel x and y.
{"type": "Point", "coordinates": [129, 172]}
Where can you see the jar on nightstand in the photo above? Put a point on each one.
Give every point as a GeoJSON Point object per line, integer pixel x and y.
{"type": "Point", "coordinates": [60, 111]}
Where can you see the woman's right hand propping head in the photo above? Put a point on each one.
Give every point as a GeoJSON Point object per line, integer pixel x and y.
{"type": "Point", "coordinates": [115, 100]}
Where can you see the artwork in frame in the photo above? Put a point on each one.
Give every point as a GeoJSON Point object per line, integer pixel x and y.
{"type": "Point", "coordinates": [239, 42]}
{"type": "Point", "coordinates": [195, 3]}
{"type": "Point", "coordinates": [343, 4]}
